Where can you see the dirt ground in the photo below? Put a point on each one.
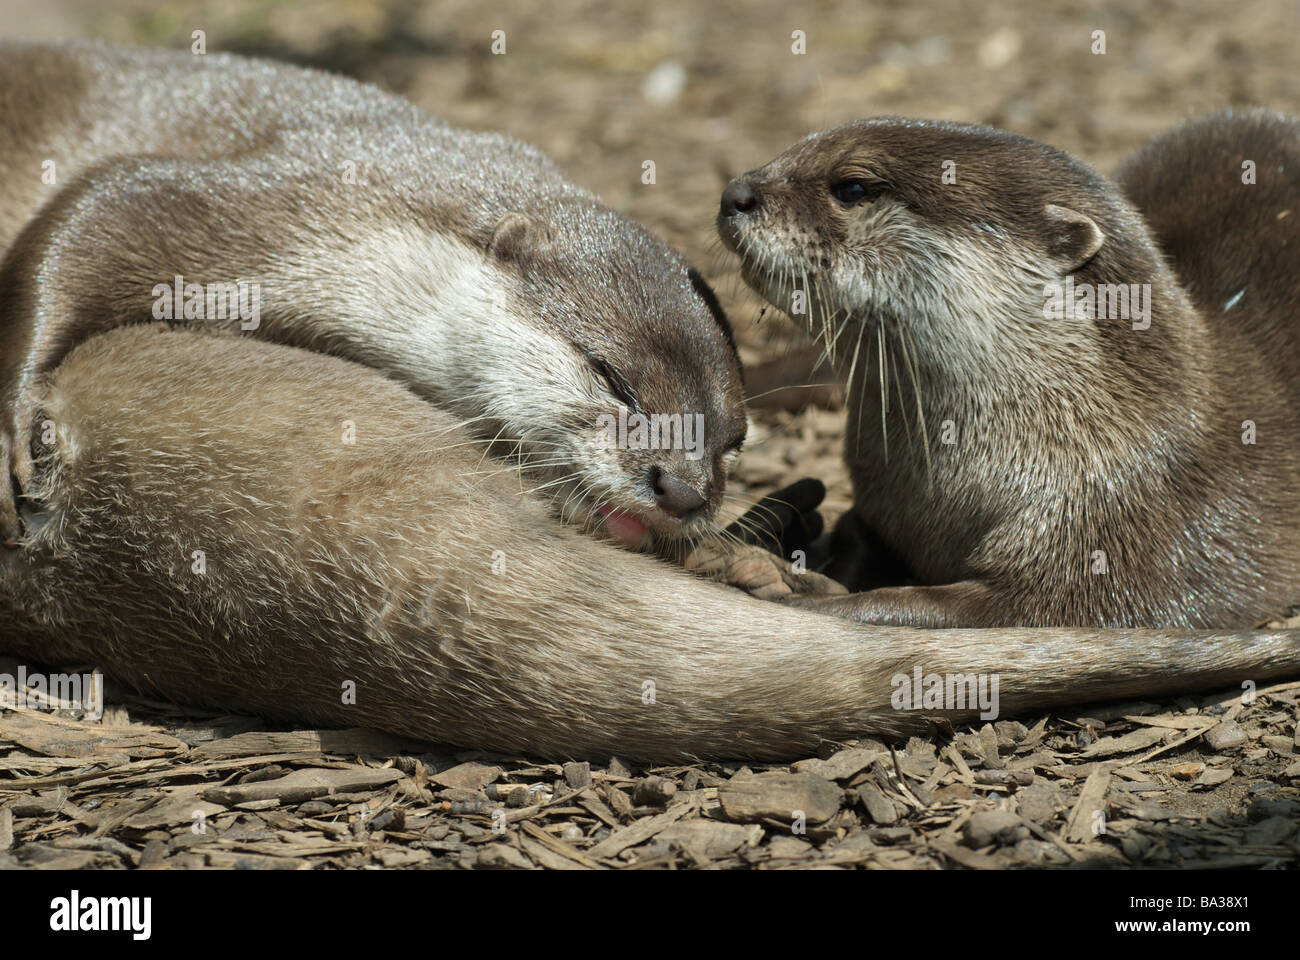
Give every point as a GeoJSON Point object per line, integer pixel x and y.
{"type": "Point", "coordinates": [705, 91]}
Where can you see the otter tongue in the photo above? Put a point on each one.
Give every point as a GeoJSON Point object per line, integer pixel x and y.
{"type": "Point", "coordinates": [623, 527]}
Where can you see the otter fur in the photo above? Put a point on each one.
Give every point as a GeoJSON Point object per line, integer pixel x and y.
{"type": "Point", "coordinates": [144, 185]}
{"type": "Point", "coordinates": [1027, 446]}
{"type": "Point", "coordinates": [205, 532]}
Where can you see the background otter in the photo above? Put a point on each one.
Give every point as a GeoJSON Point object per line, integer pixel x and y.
{"type": "Point", "coordinates": [1027, 468]}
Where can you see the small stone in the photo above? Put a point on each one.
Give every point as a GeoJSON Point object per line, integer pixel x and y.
{"type": "Point", "coordinates": [1040, 802]}
{"type": "Point", "coordinates": [1135, 845]}
{"type": "Point", "coordinates": [1225, 736]}
{"type": "Point", "coordinates": [994, 827]}
{"type": "Point", "coordinates": [890, 835]}
{"type": "Point", "coordinates": [1213, 776]}
{"type": "Point", "coordinates": [664, 84]}
{"type": "Point", "coordinates": [1010, 732]}
{"type": "Point", "coordinates": [789, 848]}
{"type": "Point", "coordinates": [1262, 808]}
{"type": "Point", "coordinates": [153, 855]}
{"type": "Point", "coordinates": [501, 856]}
{"type": "Point", "coordinates": [1030, 850]}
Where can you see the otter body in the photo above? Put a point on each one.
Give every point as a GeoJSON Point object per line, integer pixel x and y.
{"type": "Point", "coordinates": [144, 185]}
{"type": "Point", "coordinates": [204, 535]}
{"type": "Point", "coordinates": [1029, 462]}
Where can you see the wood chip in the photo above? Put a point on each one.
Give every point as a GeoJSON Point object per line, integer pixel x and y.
{"type": "Point", "coordinates": [842, 765]}
{"type": "Point", "coordinates": [1090, 808]}
{"type": "Point", "coordinates": [1131, 742]}
{"type": "Point", "coordinates": [57, 737]}
{"type": "Point", "coordinates": [780, 796]}
{"type": "Point", "coordinates": [711, 838]}
{"type": "Point", "coordinates": [880, 807]}
{"type": "Point", "coordinates": [346, 742]}
{"type": "Point", "coordinates": [466, 776]}
{"type": "Point", "coordinates": [639, 832]}
{"type": "Point", "coordinates": [303, 785]}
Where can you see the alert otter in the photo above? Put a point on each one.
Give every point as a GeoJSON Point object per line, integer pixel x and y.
{"type": "Point", "coordinates": [1071, 401]}
{"type": "Point", "coordinates": [203, 529]}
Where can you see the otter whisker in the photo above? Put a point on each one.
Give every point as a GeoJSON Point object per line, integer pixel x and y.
{"type": "Point", "coordinates": [920, 407]}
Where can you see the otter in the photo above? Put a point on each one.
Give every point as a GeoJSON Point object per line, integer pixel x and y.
{"type": "Point", "coordinates": [312, 210]}
{"type": "Point", "coordinates": [1071, 401]}
{"type": "Point", "coordinates": [205, 528]}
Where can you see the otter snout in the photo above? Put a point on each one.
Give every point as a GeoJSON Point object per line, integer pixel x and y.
{"type": "Point", "coordinates": [739, 197]}
{"type": "Point", "coordinates": [673, 495]}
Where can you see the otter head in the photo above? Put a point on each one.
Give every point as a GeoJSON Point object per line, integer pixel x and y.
{"type": "Point", "coordinates": [634, 401]}
{"type": "Point", "coordinates": [947, 230]}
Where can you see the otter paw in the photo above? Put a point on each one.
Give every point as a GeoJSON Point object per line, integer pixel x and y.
{"type": "Point", "coordinates": [17, 474]}
{"type": "Point", "coordinates": [10, 526]}
{"type": "Point", "coordinates": [756, 571]}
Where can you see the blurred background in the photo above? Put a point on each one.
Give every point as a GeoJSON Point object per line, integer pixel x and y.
{"type": "Point", "coordinates": [708, 90]}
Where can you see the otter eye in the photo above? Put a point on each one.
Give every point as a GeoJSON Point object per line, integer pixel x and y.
{"type": "Point", "coordinates": [619, 388]}
{"type": "Point", "coordinates": [852, 192]}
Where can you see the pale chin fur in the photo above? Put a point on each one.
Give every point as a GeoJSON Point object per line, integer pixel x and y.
{"type": "Point", "coordinates": [978, 310]}
{"type": "Point", "coordinates": [461, 304]}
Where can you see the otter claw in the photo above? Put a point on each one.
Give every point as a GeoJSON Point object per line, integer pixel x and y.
{"type": "Point", "coordinates": [755, 570]}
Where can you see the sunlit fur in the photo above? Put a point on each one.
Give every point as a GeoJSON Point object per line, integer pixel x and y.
{"type": "Point", "coordinates": [1072, 437]}
{"type": "Point", "coordinates": [446, 597]}
{"type": "Point", "coordinates": [464, 264]}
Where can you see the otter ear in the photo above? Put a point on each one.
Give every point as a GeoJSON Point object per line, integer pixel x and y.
{"type": "Point", "coordinates": [518, 235]}
{"type": "Point", "coordinates": [1073, 238]}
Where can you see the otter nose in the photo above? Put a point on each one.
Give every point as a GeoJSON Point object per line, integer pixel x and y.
{"type": "Point", "coordinates": [739, 197]}
{"type": "Point", "coordinates": [675, 497]}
